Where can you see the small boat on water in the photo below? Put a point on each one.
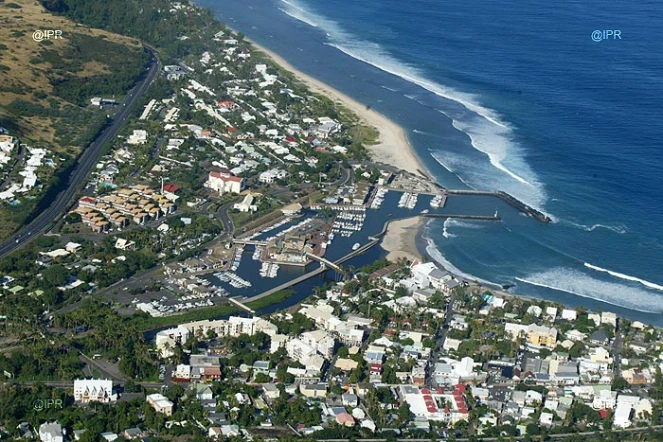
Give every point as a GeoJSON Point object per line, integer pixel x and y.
{"type": "Point", "coordinates": [355, 246]}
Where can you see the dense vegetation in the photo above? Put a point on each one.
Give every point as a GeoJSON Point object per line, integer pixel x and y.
{"type": "Point", "coordinates": [67, 74]}
{"type": "Point", "coordinates": [149, 20]}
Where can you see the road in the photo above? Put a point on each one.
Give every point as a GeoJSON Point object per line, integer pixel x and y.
{"type": "Point", "coordinates": [616, 349]}
{"type": "Point", "coordinates": [564, 436]}
{"type": "Point", "coordinates": [440, 337]}
{"type": "Point", "coordinates": [87, 160]}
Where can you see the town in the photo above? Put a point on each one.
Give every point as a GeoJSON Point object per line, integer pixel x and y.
{"type": "Point", "coordinates": [219, 277]}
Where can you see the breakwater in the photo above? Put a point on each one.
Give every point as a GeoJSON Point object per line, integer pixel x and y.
{"type": "Point", "coordinates": [512, 201]}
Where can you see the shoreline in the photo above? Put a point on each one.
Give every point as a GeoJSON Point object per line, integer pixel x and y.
{"type": "Point", "coordinates": [393, 150]}
{"type": "Point", "coordinates": [393, 147]}
{"type": "Point", "coordinates": [399, 240]}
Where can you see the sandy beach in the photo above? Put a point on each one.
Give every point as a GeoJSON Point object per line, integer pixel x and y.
{"type": "Point", "coordinates": [393, 148]}
{"type": "Point", "coordinates": [399, 241]}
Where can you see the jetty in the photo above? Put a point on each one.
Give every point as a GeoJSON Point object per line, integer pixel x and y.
{"type": "Point", "coordinates": [512, 201]}
{"type": "Point", "coordinates": [495, 217]}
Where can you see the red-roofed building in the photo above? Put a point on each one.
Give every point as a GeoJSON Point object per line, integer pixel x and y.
{"type": "Point", "coordinates": [345, 419]}
{"type": "Point", "coordinates": [229, 105]}
{"type": "Point", "coordinates": [376, 368]}
{"type": "Point", "coordinates": [223, 181]}
{"type": "Point", "coordinates": [171, 188]}
{"type": "Point", "coordinates": [87, 201]}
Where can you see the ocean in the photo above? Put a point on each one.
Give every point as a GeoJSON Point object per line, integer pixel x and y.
{"type": "Point", "coordinates": [516, 96]}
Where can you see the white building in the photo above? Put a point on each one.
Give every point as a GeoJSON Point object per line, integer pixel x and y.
{"type": "Point", "coordinates": [269, 176]}
{"type": "Point", "coordinates": [609, 318]}
{"type": "Point", "coordinates": [138, 137]}
{"type": "Point", "coordinates": [50, 432]}
{"type": "Point", "coordinates": [94, 390]}
{"type": "Point", "coordinates": [247, 204]}
{"type": "Point", "coordinates": [604, 399]}
{"type": "Point", "coordinates": [167, 340]}
{"type": "Point", "coordinates": [299, 350]}
{"type": "Point", "coordinates": [224, 181]}
{"type": "Point", "coordinates": [160, 403]}
{"type": "Point", "coordinates": [569, 314]}
{"type": "Point", "coordinates": [321, 341]}
{"type": "Point", "coordinates": [625, 406]}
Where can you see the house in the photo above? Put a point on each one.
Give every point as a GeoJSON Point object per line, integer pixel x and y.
{"type": "Point", "coordinates": [24, 431]}
{"type": "Point", "coordinates": [160, 403]}
{"type": "Point", "coordinates": [313, 390]}
{"type": "Point", "coordinates": [346, 364]}
{"type": "Point", "coordinates": [247, 204]}
{"type": "Point", "coordinates": [223, 181]}
{"type": "Point", "coordinates": [569, 314]}
{"type": "Point", "coordinates": [599, 337]}
{"type": "Point", "coordinates": [50, 432]}
{"type": "Point", "coordinates": [345, 419]}
{"type": "Point", "coordinates": [604, 399]}
{"type": "Point", "coordinates": [137, 137]}
{"type": "Point", "coordinates": [203, 392]}
{"type": "Point", "coordinates": [350, 400]}
{"type": "Point", "coordinates": [109, 437]}
{"type": "Point", "coordinates": [125, 245]}
{"type": "Point", "coordinates": [542, 336]}
{"type": "Point", "coordinates": [132, 433]}
{"type": "Point", "coordinates": [536, 335]}
{"type": "Point", "coordinates": [609, 318]}
{"type": "Point", "coordinates": [270, 391]}
{"type": "Point", "coordinates": [171, 191]}
{"type": "Point", "coordinates": [94, 390]}
{"type": "Point", "coordinates": [546, 419]}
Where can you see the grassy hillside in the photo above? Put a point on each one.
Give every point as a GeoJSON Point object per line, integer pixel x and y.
{"type": "Point", "coordinates": [45, 88]}
{"type": "Point", "coordinates": [45, 84]}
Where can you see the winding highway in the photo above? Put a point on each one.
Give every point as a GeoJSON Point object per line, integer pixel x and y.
{"type": "Point", "coordinates": [43, 222]}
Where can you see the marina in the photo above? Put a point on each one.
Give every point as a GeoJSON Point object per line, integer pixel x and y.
{"type": "Point", "coordinates": [352, 231]}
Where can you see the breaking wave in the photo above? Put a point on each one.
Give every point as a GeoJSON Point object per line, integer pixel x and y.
{"type": "Point", "coordinates": [579, 284]}
{"type": "Point", "coordinates": [651, 285]}
{"type": "Point", "coordinates": [488, 134]}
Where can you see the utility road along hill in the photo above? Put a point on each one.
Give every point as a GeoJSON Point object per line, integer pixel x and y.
{"type": "Point", "coordinates": [45, 91]}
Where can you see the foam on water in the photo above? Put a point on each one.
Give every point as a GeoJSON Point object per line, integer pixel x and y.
{"type": "Point", "coordinates": [487, 132]}
{"type": "Point", "coordinates": [434, 252]}
{"type": "Point", "coordinates": [496, 154]}
{"type": "Point", "coordinates": [297, 12]}
{"type": "Point", "coordinates": [475, 174]}
{"type": "Point", "coordinates": [439, 158]}
{"type": "Point", "coordinates": [620, 228]}
{"type": "Point", "coordinates": [388, 88]}
{"type": "Point", "coordinates": [454, 222]}
{"type": "Point", "coordinates": [580, 284]}
{"type": "Point", "coordinates": [445, 232]}
{"type": "Point", "coordinates": [651, 285]}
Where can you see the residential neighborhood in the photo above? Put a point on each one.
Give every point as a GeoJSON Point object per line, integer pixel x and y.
{"type": "Point", "coordinates": [223, 273]}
